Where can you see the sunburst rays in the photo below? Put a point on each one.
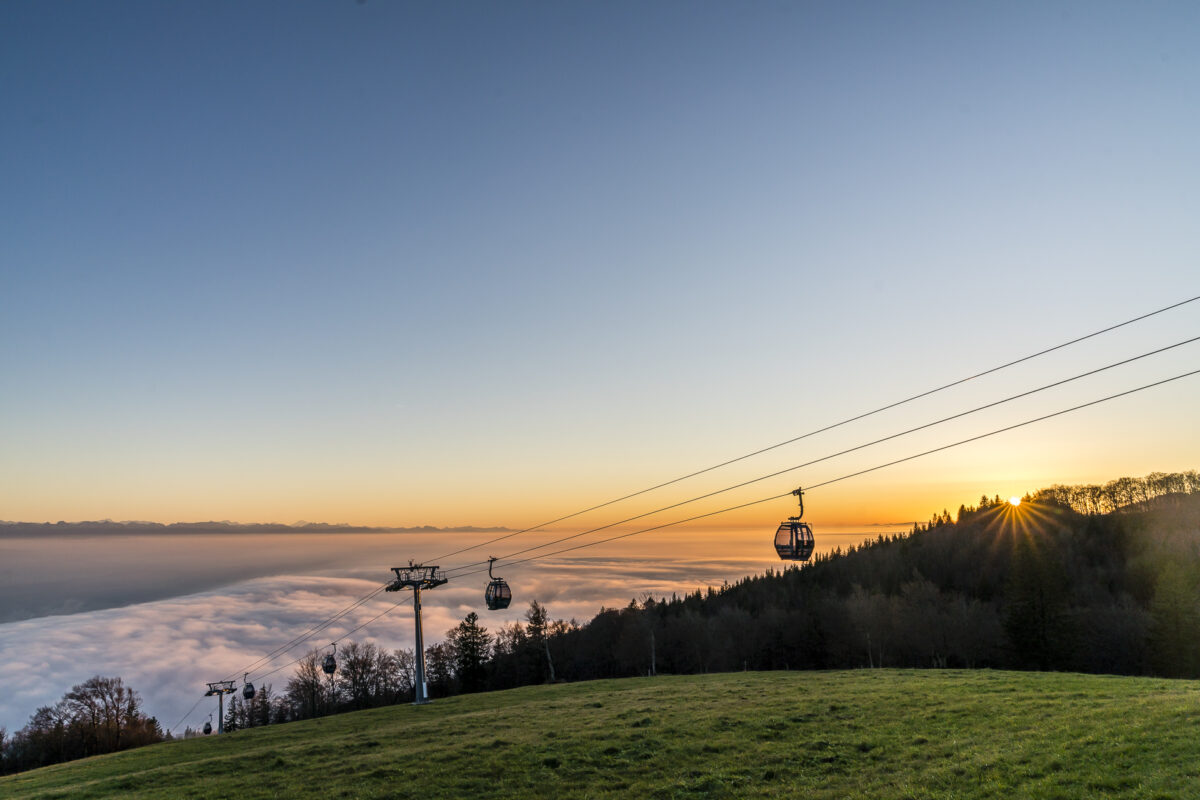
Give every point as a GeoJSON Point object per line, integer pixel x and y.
{"type": "Point", "coordinates": [1013, 523]}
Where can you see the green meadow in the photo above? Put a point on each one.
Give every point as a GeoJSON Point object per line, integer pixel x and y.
{"type": "Point", "coordinates": [847, 734]}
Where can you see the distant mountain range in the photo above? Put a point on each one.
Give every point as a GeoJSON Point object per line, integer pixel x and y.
{"type": "Point", "coordinates": [225, 526]}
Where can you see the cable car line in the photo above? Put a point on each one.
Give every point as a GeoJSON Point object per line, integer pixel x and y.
{"type": "Point", "coordinates": [321, 626]}
{"type": "Point", "coordinates": [310, 633]}
{"type": "Point", "coordinates": [751, 503]}
{"type": "Point", "coordinates": [388, 610]}
{"type": "Point", "coordinates": [841, 452]}
{"type": "Point", "coordinates": [329, 621]}
{"type": "Point", "coordinates": [185, 716]}
{"type": "Point", "coordinates": [852, 474]}
{"type": "Point", "coordinates": [824, 429]}
{"type": "Point", "coordinates": [396, 605]}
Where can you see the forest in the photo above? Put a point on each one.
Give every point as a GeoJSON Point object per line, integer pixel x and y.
{"type": "Point", "coordinates": [1098, 579]}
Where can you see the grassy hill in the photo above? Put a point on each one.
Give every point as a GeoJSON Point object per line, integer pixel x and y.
{"type": "Point", "coordinates": [864, 734]}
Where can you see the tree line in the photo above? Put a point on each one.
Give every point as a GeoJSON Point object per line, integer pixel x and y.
{"type": "Point", "coordinates": [1123, 493]}
{"type": "Point", "coordinates": [100, 715]}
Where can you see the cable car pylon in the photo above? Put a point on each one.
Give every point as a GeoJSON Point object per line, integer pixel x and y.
{"type": "Point", "coordinates": [220, 689]}
{"type": "Point", "coordinates": [418, 577]}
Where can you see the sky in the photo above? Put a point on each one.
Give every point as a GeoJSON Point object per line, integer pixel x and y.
{"type": "Point", "coordinates": [486, 264]}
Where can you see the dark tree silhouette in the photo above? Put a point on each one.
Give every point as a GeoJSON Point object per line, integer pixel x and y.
{"type": "Point", "coordinates": [472, 647]}
{"type": "Point", "coordinates": [100, 715]}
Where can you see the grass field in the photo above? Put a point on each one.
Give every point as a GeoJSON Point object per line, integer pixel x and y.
{"type": "Point", "coordinates": [860, 734]}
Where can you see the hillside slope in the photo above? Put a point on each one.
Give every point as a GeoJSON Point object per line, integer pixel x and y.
{"type": "Point", "coordinates": [864, 734]}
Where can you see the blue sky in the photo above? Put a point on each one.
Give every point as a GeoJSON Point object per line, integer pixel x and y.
{"type": "Point", "coordinates": [478, 263]}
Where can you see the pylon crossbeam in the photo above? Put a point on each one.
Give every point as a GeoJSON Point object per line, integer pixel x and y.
{"type": "Point", "coordinates": [417, 576]}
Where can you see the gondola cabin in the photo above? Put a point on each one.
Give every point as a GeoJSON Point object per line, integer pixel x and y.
{"type": "Point", "coordinates": [497, 595]}
{"type": "Point", "coordinates": [329, 665]}
{"type": "Point", "coordinates": [794, 540]}
{"type": "Point", "coordinates": [248, 689]}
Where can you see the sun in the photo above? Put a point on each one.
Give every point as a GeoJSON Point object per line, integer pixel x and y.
{"type": "Point", "coordinates": [1014, 501]}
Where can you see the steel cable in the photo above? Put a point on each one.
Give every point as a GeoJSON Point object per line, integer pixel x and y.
{"type": "Point", "coordinates": [825, 429]}
{"type": "Point", "coordinates": [777, 473]}
{"type": "Point", "coordinates": [850, 475]}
